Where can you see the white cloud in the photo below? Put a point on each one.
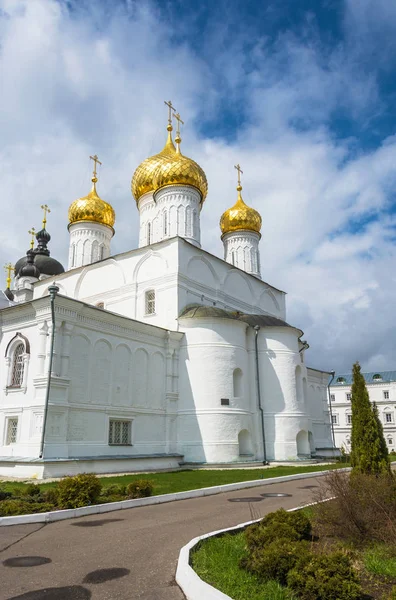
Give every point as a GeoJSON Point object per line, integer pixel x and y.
{"type": "Point", "coordinates": [77, 82]}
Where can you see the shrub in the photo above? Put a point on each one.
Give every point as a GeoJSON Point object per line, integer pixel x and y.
{"type": "Point", "coordinates": [78, 491]}
{"type": "Point", "coordinates": [51, 495]}
{"type": "Point", "coordinates": [4, 495]}
{"type": "Point", "coordinates": [32, 489]}
{"type": "Point", "coordinates": [325, 577]}
{"type": "Point", "coordinates": [363, 508]}
{"type": "Point", "coordinates": [114, 490]}
{"type": "Point", "coordinates": [21, 507]}
{"type": "Point", "coordinates": [258, 536]}
{"type": "Point", "coordinates": [297, 519]}
{"type": "Point", "coordinates": [141, 488]}
{"type": "Point", "coordinates": [276, 559]}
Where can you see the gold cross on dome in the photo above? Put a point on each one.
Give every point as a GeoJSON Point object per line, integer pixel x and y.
{"type": "Point", "coordinates": [8, 268]}
{"type": "Point", "coordinates": [46, 210]}
{"type": "Point", "coordinates": [32, 232]}
{"type": "Point", "coordinates": [170, 107]}
{"type": "Point", "coordinates": [178, 119]}
{"type": "Point", "coordinates": [238, 168]}
{"type": "Point", "coordinates": [96, 161]}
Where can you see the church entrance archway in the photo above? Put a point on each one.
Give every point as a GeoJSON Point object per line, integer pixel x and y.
{"type": "Point", "coordinates": [245, 443]}
{"type": "Point", "coordinates": [303, 449]}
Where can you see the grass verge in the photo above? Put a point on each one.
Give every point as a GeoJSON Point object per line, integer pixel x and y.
{"type": "Point", "coordinates": [181, 481]}
{"type": "Point", "coordinates": [216, 562]}
{"type": "Point", "coordinates": [379, 560]}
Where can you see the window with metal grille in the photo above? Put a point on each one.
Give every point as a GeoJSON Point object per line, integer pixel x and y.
{"type": "Point", "coordinates": [119, 432]}
{"type": "Point", "coordinates": [150, 302]}
{"type": "Point", "coordinates": [390, 441]}
{"type": "Point", "coordinates": [386, 395]}
{"type": "Point", "coordinates": [388, 417]}
{"type": "Point", "coordinates": [17, 366]}
{"type": "Point", "coordinates": [12, 430]}
{"type": "Point", "coordinates": [348, 397]}
{"type": "Point", "coordinates": [349, 419]}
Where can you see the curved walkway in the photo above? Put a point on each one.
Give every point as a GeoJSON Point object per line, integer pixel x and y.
{"type": "Point", "coordinates": [128, 554]}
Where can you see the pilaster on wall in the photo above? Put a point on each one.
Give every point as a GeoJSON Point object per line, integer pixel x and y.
{"type": "Point", "coordinates": [241, 250]}
{"type": "Point", "coordinates": [89, 242]}
{"type": "Point", "coordinates": [174, 210]}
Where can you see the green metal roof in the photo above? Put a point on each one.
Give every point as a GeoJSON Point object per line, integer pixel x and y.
{"type": "Point", "coordinates": [382, 376]}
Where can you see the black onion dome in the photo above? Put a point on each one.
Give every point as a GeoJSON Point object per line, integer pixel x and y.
{"type": "Point", "coordinates": [30, 269]}
{"type": "Point", "coordinates": [43, 261]}
{"type": "Point", "coordinates": [8, 294]}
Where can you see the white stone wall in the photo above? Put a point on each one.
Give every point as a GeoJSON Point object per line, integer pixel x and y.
{"type": "Point", "coordinates": [174, 210]}
{"type": "Point", "coordinates": [89, 242]}
{"type": "Point", "coordinates": [241, 250]}
{"type": "Point", "coordinates": [341, 410]}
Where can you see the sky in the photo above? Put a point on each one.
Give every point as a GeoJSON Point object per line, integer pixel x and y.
{"type": "Point", "coordinates": [301, 93]}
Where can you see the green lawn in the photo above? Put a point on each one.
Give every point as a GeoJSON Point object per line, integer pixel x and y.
{"type": "Point", "coordinates": [180, 481]}
{"type": "Point", "coordinates": [216, 562]}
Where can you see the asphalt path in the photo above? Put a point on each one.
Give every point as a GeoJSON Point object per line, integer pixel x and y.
{"type": "Point", "coordinates": [128, 554]}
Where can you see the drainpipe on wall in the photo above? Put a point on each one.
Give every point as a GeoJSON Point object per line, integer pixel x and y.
{"type": "Point", "coordinates": [256, 330]}
{"type": "Point", "coordinates": [53, 290]}
{"type": "Point", "coordinates": [331, 412]}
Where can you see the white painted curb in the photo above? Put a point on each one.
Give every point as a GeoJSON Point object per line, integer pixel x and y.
{"type": "Point", "coordinates": [192, 586]}
{"type": "Point", "coordinates": [59, 515]}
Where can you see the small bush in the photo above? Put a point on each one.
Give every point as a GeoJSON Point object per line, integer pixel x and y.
{"type": "Point", "coordinates": [325, 577]}
{"type": "Point", "coordinates": [276, 559]}
{"type": "Point", "coordinates": [4, 495]}
{"type": "Point", "coordinates": [258, 536]}
{"type": "Point", "coordinates": [32, 490]}
{"type": "Point", "coordinates": [358, 501]}
{"type": "Point", "coordinates": [78, 491]}
{"type": "Point", "coordinates": [141, 488]}
{"type": "Point", "coordinates": [21, 507]}
{"type": "Point", "coordinates": [297, 519]}
{"type": "Point", "coordinates": [114, 490]}
{"type": "Point", "coordinates": [50, 495]}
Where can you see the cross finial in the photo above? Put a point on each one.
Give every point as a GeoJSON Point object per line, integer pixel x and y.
{"type": "Point", "coordinates": [179, 120]}
{"type": "Point", "coordinates": [8, 268]}
{"type": "Point", "coordinates": [32, 232]}
{"type": "Point", "coordinates": [238, 168]}
{"type": "Point", "coordinates": [96, 161]}
{"type": "Point", "coordinates": [46, 210]}
{"type": "Point", "coordinates": [170, 107]}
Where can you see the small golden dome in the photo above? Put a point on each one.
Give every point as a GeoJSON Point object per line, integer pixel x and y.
{"type": "Point", "coordinates": [142, 180]}
{"type": "Point", "coordinates": [92, 208]}
{"type": "Point", "coordinates": [240, 216]}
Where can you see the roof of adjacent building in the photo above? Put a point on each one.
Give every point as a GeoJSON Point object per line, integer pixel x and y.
{"type": "Point", "coordinates": [341, 379]}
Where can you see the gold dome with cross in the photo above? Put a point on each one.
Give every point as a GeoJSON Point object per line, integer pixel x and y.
{"type": "Point", "coordinates": [91, 207]}
{"type": "Point", "coordinates": [240, 216]}
{"type": "Point", "coordinates": [169, 167]}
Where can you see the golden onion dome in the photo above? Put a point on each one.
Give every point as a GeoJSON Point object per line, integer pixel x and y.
{"type": "Point", "coordinates": [92, 208]}
{"type": "Point", "coordinates": [142, 180]}
{"type": "Point", "coordinates": [178, 169]}
{"type": "Point", "coordinates": [240, 216]}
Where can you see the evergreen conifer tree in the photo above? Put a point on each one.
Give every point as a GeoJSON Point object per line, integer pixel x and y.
{"type": "Point", "coordinates": [369, 453]}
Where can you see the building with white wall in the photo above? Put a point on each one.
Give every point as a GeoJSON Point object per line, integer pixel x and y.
{"type": "Point", "coordinates": [161, 355]}
{"type": "Point", "coordinates": [381, 387]}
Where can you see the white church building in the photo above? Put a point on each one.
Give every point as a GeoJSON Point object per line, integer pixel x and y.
{"type": "Point", "coordinates": [159, 356]}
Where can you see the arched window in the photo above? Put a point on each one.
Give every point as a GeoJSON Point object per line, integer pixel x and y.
{"type": "Point", "coordinates": [101, 252]}
{"type": "Point", "coordinates": [17, 357]}
{"type": "Point", "coordinates": [73, 255]}
{"type": "Point", "coordinates": [17, 366]}
{"type": "Point", "coordinates": [237, 383]}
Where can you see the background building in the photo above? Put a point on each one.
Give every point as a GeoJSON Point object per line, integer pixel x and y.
{"type": "Point", "coordinates": [381, 387]}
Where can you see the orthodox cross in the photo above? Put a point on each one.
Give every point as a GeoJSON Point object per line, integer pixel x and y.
{"type": "Point", "coordinates": [32, 232]}
{"type": "Point", "coordinates": [8, 268]}
{"type": "Point", "coordinates": [238, 168]}
{"type": "Point", "coordinates": [96, 161]}
{"type": "Point", "coordinates": [170, 107]}
{"type": "Point", "coordinates": [46, 210]}
{"type": "Point", "coordinates": [178, 119]}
